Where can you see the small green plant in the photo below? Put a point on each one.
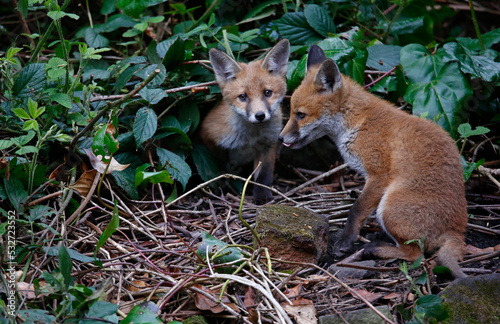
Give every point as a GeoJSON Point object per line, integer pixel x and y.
{"type": "Point", "coordinates": [427, 308]}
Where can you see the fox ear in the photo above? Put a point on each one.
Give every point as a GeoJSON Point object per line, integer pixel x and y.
{"type": "Point", "coordinates": [315, 56]}
{"type": "Point", "coordinates": [328, 77]}
{"type": "Point", "coordinates": [276, 60]}
{"type": "Point", "coordinates": [225, 68]}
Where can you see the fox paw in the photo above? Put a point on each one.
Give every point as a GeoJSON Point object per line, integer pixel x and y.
{"type": "Point", "coordinates": [261, 197]}
{"type": "Point", "coordinates": [341, 248]}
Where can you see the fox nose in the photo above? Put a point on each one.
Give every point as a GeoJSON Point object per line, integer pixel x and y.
{"type": "Point", "coordinates": [260, 116]}
{"type": "Point", "coordinates": [280, 138]}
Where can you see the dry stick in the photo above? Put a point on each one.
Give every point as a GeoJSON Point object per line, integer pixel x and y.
{"type": "Point", "coordinates": [222, 176]}
{"type": "Point", "coordinates": [258, 287]}
{"type": "Point", "coordinates": [481, 257]}
{"type": "Point", "coordinates": [173, 90]}
{"type": "Point", "coordinates": [489, 173]}
{"type": "Point", "coordinates": [313, 180]}
{"type": "Point", "coordinates": [110, 105]}
{"type": "Point", "coordinates": [353, 292]}
{"type": "Point", "coordinates": [380, 78]}
{"type": "Point", "coordinates": [484, 229]}
{"type": "Point", "coordinates": [85, 201]}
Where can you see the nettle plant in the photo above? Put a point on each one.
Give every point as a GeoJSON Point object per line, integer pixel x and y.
{"type": "Point", "coordinates": [141, 67]}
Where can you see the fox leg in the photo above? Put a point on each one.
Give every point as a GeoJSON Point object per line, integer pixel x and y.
{"type": "Point", "coordinates": [264, 175]}
{"type": "Point", "coordinates": [359, 212]}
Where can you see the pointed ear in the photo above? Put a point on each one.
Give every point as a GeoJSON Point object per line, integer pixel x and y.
{"type": "Point", "coordinates": [225, 68]}
{"type": "Point", "coordinates": [276, 60]}
{"type": "Point", "coordinates": [328, 77]}
{"type": "Point", "coordinates": [315, 56]}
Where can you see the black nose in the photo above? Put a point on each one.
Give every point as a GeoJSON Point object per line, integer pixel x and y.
{"type": "Point", "coordinates": [260, 116]}
{"type": "Point", "coordinates": [280, 138]}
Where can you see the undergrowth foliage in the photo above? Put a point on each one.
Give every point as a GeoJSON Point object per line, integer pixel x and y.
{"type": "Point", "coordinates": [126, 83]}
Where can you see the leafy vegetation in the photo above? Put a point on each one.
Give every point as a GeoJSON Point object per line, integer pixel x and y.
{"type": "Point", "coordinates": [117, 83]}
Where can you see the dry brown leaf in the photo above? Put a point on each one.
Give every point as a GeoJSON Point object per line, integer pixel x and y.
{"type": "Point", "coordinates": [100, 166]}
{"type": "Point", "coordinates": [205, 303]}
{"type": "Point", "coordinates": [26, 290]}
{"type": "Point", "coordinates": [367, 295]}
{"type": "Point", "coordinates": [111, 129]}
{"type": "Point", "coordinates": [249, 300]}
{"type": "Point", "coordinates": [313, 279]}
{"type": "Point", "coordinates": [391, 296]}
{"type": "Point", "coordinates": [85, 182]}
{"type": "Point", "coordinates": [302, 311]}
{"type": "Point", "coordinates": [293, 292]}
{"type": "Point", "coordinates": [136, 285]}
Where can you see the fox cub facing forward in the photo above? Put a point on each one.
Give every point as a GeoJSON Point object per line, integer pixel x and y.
{"type": "Point", "coordinates": [414, 179]}
{"type": "Point", "coordinates": [246, 124]}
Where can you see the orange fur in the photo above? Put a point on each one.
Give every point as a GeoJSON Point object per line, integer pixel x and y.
{"type": "Point", "coordinates": [414, 177]}
{"type": "Point", "coordinates": [246, 124]}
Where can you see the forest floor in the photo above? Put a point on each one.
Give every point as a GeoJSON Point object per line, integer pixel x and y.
{"type": "Point", "coordinates": [147, 261]}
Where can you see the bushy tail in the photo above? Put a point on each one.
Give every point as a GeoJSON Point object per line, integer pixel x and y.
{"type": "Point", "coordinates": [449, 254]}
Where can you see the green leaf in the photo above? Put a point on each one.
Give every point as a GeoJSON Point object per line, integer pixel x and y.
{"type": "Point", "coordinates": [36, 316]}
{"type": "Point", "coordinates": [190, 114]}
{"type": "Point", "coordinates": [22, 6]}
{"type": "Point", "coordinates": [175, 165]}
{"type": "Point", "coordinates": [383, 57]}
{"type": "Point", "coordinates": [141, 315]}
{"type": "Point", "coordinates": [152, 96]}
{"type": "Point", "coordinates": [5, 144]}
{"type": "Point", "coordinates": [102, 310]}
{"type": "Point", "coordinates": [94, 39]}
{"type": "Point", "coordinates": [23, 139]}
{"type": "Point", "coordinates": [15, 192]}
{"type": "Point", "coordinates": [218, 251]}
{"type": "Point", "coordinates": [436, 88]}
{"type": "Point", "coordinates": [27, 150]}
{"type": "Point", "coordinates": [31, 124]}
{"type": "Point", "coordinates": [21, 113]}
{"type": "Point", "coordinates": [465, 130]}
{"type": "Point", "coordinates": [62, 99]}
{"type": "Point", "coordinates": [110, 229]}
{"type": "Point", "coordinates": [171, 51]}
{"type": "Point", "coordinates": [30, 82]}
{"type": "Point", "coordinates": [319, 19]}
{"type": "Point", "coordinates": [478, 64]}
{"type": "Point", "coordinates": [145, 125]}
{"type": "Point", "coordinates": [205, 162]}
{"type": "Point", "coordinates": [432, 307]}
{"type": "Point", "coordinates": [108, 7]}
{"type": "Point", "coordinates": [152, 177]}
{"type": "Point", "coordinates": [295, 28]}
{"type": "Point", "coordinates": [125, 179]}
{"type": "Point", "coordinates": [65, 266]}
{"type": "Point", "coordinates": [136, 8]}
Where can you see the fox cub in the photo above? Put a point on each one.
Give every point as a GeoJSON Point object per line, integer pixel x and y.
{"type": "Point", "coordinates": [414, 179]}
{"type": "Point", "coordinates": [246, 124]}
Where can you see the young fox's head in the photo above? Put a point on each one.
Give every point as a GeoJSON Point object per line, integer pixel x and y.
{"type": "Point", "coordinates": [254, 90]}
{"type": "Point", "coordinates": [318, 99]}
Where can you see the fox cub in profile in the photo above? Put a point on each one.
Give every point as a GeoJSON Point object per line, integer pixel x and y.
{"type": "Point", "coordinates": [413, 172]}
{"type": "Point", "coordinates": [247, 123]}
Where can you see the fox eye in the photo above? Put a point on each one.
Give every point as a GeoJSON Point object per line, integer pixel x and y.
{"type": "Point", "coordinates": [268, 93]}
{"type": "Point", "coordinates": [300, 115]}
{"type": "Point", "coordinates": [243, 96]}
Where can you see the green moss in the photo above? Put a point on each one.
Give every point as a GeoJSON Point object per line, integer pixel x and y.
{"type": "Point", "coordinates": [291, 222]}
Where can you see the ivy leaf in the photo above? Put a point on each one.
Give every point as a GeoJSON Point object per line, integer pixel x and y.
{"type": "Point", "coordinates": [145, 125]}
{"type": "Point", "coordinates": [436, 89]}
{"type": "Point", "coordinates": [383, 57]}
{"type": "Point", "coordinates": [465, 130]}
{"type": "Point", "coordinates": [176, 166]}
{"type": "Point", "coordinates": [478, 64]}
{"type": "Point", "coordinates": [319, 19]}
{"type": "Point", "coordinates": [296, 29]}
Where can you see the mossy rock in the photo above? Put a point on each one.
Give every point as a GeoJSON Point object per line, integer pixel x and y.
{"type": "Point", "coordinates": [292, 233]}
{"type": "Point", "coordinates": [473, 300]}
